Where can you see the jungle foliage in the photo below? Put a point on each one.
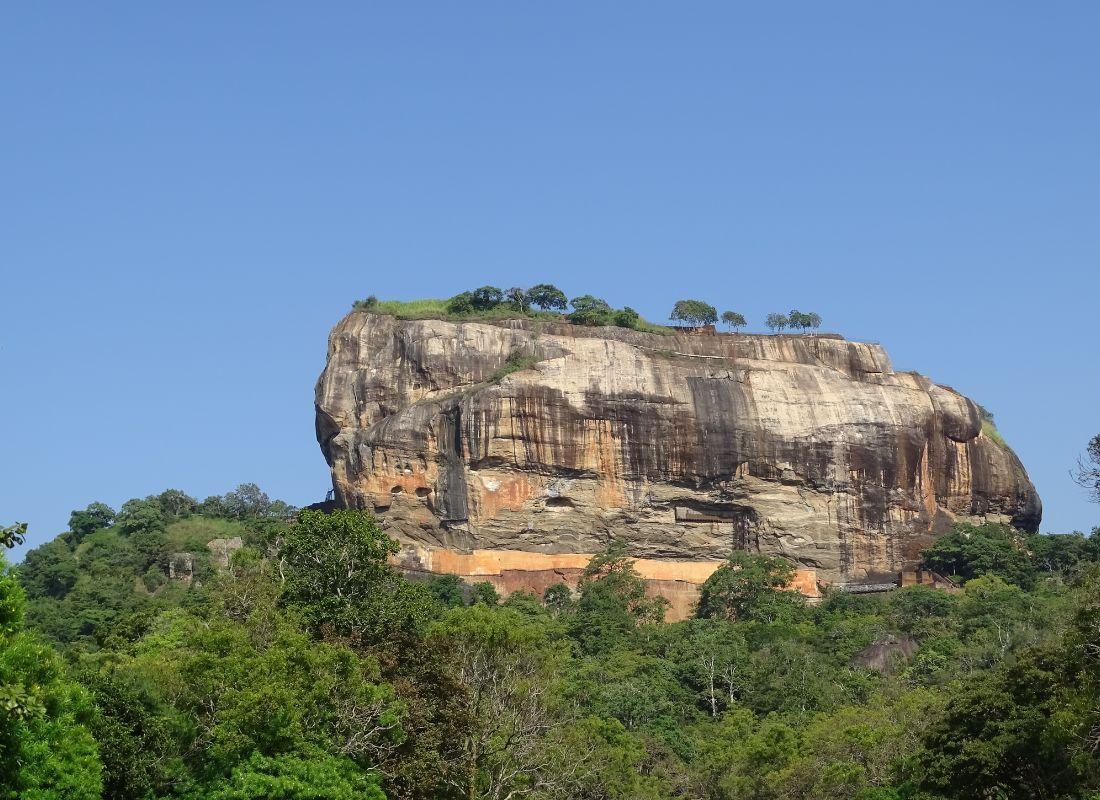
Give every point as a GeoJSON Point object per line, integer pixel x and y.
{"type": "Point", "coordinates": [309, 668]}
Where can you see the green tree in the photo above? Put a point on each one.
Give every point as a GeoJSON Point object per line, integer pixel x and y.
{"type": "Point", "coordinates": [176, 504]}
{"type": "Point", "coordinates": [517, 300]}
{"type": "Point", "coordinates": [968, 551]}
{"type": "Point", "coordinates": [558, 598]}
{"type": "Point", "coordinates": [449, 590]}
{"type": "Point", "coordinates": [612, 601]}
{"type": "Point", "coordinates": [461, 304]}
{"type": "Point", "coordinates": [315, 776]}
{"type": "Point", "coordinates": [139, 516]}
{"type": "Point", "coordinates": [733, 320]}
{"type": "Point", "coordinates": [713, 660]}
{"type": "Point", "coordinates": [248, 500]}
{"type": "Point", "coordinates": [777, 322]}
{"type": "Point", "coordinates": [485, 593]}
{"type": "Point", "coordinates": [547, 297]}
{"type": "Point", "coordinates": [336, 557]}
{"type": "Point", "coordinates": [589, 310]}
{"type": "Point", "coordinates": [486, 298]}
{"type": "Point", "coordinates": [1066, 554]}
{"type": "Point", "coordinates": [858, 751]}
{"type": "Point", "coordinates": [137, 734]}
{"type": "Point", "coordinates": [745, 584]}
{"type": "Point", "coordinates": [263, 687]}
{"type": "Point", "coordinates": [694, 312]}
{"type": "Point", "coordinates": [46, 750]}
{"type": "Point", "coordinates": [49, 570]}
{"type": "Point", "coordinates": [92, 518]}
{"type": "Point", "coordinates": [626, 318]}
{"type": "Point", "coordinates": [506, 667]}
{"type": "Point", "coordinates": [995, 738]}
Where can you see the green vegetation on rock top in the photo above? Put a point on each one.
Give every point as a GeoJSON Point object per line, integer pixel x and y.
{"type": "Point", "coordinates": [546, 301]}
{"type": "Point", "coordinates": [494, 304]}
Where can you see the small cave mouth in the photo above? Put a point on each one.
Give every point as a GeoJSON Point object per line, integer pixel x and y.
{"type": "Point", "coordinates": [560, 502]}
{"type": "Point", "coordinates": [423, 491]}
{"type": "Point", "coordinates": [396, 490]}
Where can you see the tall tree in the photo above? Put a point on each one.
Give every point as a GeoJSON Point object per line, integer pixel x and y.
{"type": "Point", "coordinates": [589, 310]}
{"type": "Point", "coordinates": [486, 298]}
{"type": "Point", "coordinates": [336, 557]}
{"type": "Point", "coordinates": [517, 299]}
{"type": "Point", "coordinates": [694, 312]}
{"type": "Point", "coordinates": [743, 582]}
{"type": "Point", "coordinates": [506, 667]}
{"type": "Point", "coordinates": [733, 320]}
{"type": "Point", "coordinates": [968, 551]}
{"type": "Point", "coordinates": [777, 322]}
{"type": "Point", "coordinates": [92, 518]}
{"type": "Point", "coordinates": [547, 297]}
{"type": "Point", "coordinates": [46, 749]}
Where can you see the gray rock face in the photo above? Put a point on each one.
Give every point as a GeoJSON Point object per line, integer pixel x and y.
{"type": "Point", "coordinates": [222, 549]}
{"type": "Point", "coordinates": [686, 445]}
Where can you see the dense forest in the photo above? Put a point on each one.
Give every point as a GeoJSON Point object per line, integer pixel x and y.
{"type": "Point", "coordinates": [136, 661]}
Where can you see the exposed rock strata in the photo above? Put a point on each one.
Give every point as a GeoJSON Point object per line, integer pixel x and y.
{"type": "Point", "coordinates": [687, 445]}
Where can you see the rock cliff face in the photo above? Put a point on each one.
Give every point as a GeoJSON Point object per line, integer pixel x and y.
{"type": "Point", "coordinates": [686, 445]}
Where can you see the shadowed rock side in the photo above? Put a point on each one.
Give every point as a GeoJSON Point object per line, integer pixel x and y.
{"type": "Point", "coordinates": [687, 446]}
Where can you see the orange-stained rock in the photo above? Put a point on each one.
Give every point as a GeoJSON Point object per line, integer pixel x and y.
{"type": "Point", "coordinates": [512, 571]}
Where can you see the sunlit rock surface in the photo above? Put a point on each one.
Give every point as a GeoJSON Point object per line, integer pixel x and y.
{"type": "Point", "coordinates": [686, 446]}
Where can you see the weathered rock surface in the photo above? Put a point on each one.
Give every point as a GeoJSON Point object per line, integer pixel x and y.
{"type": "Point", "coordinates": [686, 445]}
{"type": "Point", "coordinates": [221, 550]}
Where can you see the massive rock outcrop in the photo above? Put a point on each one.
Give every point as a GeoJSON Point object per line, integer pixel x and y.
{"type": "Point", "coordinates": [685, 445]}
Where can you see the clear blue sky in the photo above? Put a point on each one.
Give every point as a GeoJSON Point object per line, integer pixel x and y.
{"type": "Point", "coordinates": [191, 195]}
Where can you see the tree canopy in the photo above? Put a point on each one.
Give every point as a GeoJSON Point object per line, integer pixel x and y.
{"type": "Point", "coordinates": [733, 320]}
{"type": "Point", "coordinates": [777, 322]}
{"type": "Point", "coordinates": [694, 312]}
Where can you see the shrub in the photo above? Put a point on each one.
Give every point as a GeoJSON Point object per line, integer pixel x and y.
{"type": "Point", "coordinates": [517, 360]}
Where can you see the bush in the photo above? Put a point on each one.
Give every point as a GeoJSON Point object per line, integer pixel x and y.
{"type": "Point", "coordinates": [627, 318]}
{"type": "Point", "coordinates": [517, 360]}
{"type": "Point", "coordinates": [461, 304]}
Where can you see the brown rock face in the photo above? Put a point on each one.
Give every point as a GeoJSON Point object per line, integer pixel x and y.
{"type": "Point", "coordinates": [686, 445]}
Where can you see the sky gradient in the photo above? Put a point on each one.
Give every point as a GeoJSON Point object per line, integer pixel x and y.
{"type": "Point", "coordinates": [192, 196]}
